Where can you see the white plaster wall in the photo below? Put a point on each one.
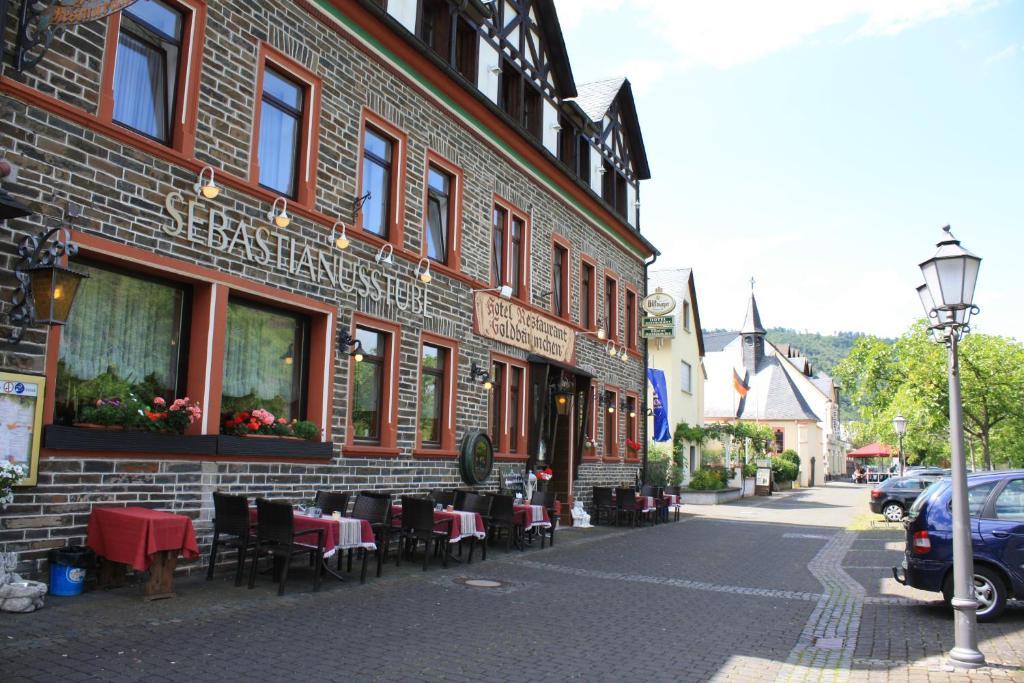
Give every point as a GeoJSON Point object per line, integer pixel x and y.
{"type": "Point", "coordinates": [630, 204]}
{"type": "Point", "coordinates": [487, 79]}
{"type": "Point", "coordinates": [404, 12]}
{"type": "Point", "coordinates": [595, 167]}
{"type": "Point", "coordinates": [550, 135]}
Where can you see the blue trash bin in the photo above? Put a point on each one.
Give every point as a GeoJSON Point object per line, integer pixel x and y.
{"type": "Point", "coordinates": [67, 569]}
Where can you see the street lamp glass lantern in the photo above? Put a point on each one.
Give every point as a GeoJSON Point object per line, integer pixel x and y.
{"type": "Point", "coordinates": [53, 291]}
{"type": "Point", "coordinates": [951, 275]}
{"type": "Point", "coordinates": [899, 423]}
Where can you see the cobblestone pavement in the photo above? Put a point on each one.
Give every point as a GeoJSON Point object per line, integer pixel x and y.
{"type": "Point", "coordinates": [762, 590]}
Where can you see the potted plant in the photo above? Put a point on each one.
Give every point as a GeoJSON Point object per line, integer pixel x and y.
{"type": "Point", "coordinates": [545, 476]}
{"type": "Point", "coordinates": [262, 423]}
{"type": "Point", "coordinates": [632, 448]}
{"type": "Point", "coordinates": [10, 474]}
{"type": "Point", "coordinates": [172, 419]}
{"type": "Point", "coordinates": [113, 414]}
{"type": "Point", "coordinates": [589, 448]}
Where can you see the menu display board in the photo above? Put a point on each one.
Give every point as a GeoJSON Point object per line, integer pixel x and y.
{"type": "Point", "coordinates": [21, 417]}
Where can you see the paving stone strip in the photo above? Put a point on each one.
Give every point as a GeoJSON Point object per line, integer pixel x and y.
{"type": "Point", "coordinates": [825, 649]}
{"type": "Point", "coordinates": [668, 581]}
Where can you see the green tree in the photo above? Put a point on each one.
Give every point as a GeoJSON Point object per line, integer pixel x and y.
{"type": "Point", "coordinates": [910, 377]}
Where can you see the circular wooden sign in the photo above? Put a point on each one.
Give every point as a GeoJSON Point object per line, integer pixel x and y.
{"type": "Point", "coordinates": [476, 458]}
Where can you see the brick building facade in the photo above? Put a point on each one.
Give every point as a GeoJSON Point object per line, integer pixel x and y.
{"type": "Point", "coordinates": [437, 108]}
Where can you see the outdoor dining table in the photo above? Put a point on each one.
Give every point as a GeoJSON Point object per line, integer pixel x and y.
{"type": "Point", "coordinates": [464, 524]}
{"type": "Point", "coordinates": [143, 539]}
{"type": "Point", "coordinates": [535, 516]}
{"type": "Point", "coordinates": [340, 534]}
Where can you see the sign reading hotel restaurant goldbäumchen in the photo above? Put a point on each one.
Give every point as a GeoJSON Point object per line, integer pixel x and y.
{"type": "Point", "coordinates": [507, 321]}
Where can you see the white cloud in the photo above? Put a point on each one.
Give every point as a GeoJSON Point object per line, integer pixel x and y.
{"type": "Point", "coordinates": [728, 33]}
{"type": "Point", "coordinates": [1007, 53]}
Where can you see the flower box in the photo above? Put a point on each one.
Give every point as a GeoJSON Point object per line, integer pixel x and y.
{"type": "Point", "coordinates": [274, 446]}
{"type": "Point", "coordinates": [59, 437]}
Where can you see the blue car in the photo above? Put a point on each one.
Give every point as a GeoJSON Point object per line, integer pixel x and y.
{"type": "Point", "coordinates": [996, 502]}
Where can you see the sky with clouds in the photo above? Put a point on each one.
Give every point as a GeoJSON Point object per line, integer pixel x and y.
{"type": "Point", "coordinates": [820, 145]}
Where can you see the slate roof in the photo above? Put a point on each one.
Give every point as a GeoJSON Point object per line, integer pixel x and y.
{"type": "Point", "coordinates": [595, 97]}
{"type": "Point", "coordinates": [752, 323]}
{"type": "Point", "coordinates": [772, 395]}
{"type": "Point", "coordinates": [717, 341]}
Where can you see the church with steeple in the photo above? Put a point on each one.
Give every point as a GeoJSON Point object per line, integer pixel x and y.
{"type": "Point", "coordinates": [750, 379]}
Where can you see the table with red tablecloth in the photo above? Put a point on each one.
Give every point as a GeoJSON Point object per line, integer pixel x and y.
{"type": "Point", "coordinates": [464, 524]}
{"type": "Point", "coordinates": [535, 516]}
{"type": "Point", "coordinates": [339, 533]}
{"type": "Point", "coordinates": [143, 539]}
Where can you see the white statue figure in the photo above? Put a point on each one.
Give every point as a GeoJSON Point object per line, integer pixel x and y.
{"type": "Point", "coordinates": [580, 517]}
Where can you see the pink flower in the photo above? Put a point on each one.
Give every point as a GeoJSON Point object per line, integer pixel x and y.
{"type": "Point", "coordinates": [159, 401]}
{"type": "Point", "coordinates": [281, 421]}
{"type": "Point", "coordinates": [263, 416]}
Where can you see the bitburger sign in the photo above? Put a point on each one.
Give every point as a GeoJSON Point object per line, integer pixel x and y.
{"type": "Point", "coordinates": [518, 326]}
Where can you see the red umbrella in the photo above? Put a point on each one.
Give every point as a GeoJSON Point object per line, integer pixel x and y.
{"type": "Point", "coordinates": [872, 450]}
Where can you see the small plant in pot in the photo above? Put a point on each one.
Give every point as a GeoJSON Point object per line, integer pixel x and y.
{"type": "Point", "coordinates": [262, 423]}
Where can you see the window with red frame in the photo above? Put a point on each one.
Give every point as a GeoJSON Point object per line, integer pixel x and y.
{"type": "Point", "coordinates": [611, 307]}
{"type": "Point", "coordinates": [508, 237]}
{"type": "Point", "coordinates": [560, 281]}
{"type": "Point", "coordinates": [367, 400]}
{"type": "Point", "coordinates": [280, 129]}
{"type": "Point", "coordinates": [439, 214]}
{"type": "Point", "coordinates": [497, 407]}
{"type": "Point", "coordinates": [611, 424]}
{"type": "Point", "coordinates": [630, 319]}
{"type": "Point", "coordinates": [631, 421]}
{"type": "Point", "coordinates": [433, 398]}
{"type": "Point", "coordinates": [146, 68]}
{"type": "Point", "coordinates": [586, 296]}
{"type": "Point", "coordinates": [378, 181]}
{"type": "Point", "coordinates": [515, 384]}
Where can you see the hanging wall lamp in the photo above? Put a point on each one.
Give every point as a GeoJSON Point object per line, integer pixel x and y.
{"type": "Point", "coordinates": [504, 291]}
{"type": "Point", "coordinates": [281, 220]}
{"type": "Point", "coordinates": [288, 357]}
{"type": "Point", "coordinates": [206, 187]}
{"type": "Point", "coordinates": [478, 375]}
{"type": "Point", "coordinates": [423, 271]}
{"type": "Point", "coordinates": [340, 241]}
{"type": "Point", "coordinates": [46, 289]}
{"type": "Point", "coordinates": [385, 255]}
{"type": "Point", "coordinates": [350, 346]}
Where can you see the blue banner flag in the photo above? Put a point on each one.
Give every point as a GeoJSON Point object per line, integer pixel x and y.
{"type": "Point", "coordinates": [657, 379]}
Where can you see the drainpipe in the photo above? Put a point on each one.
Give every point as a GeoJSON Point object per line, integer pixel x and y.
{"type": "Point", "coordinates": [647, 438]}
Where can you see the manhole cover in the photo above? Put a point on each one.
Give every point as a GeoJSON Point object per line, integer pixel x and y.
{"type": "Point", "coordinates": [482, 583]}
{"type": "Point", "coordinates": [829, 643]}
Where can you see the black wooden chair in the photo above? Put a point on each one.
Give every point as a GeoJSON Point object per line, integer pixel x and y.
{"type": "Point", "coordinates": [482, 506]}
{"type": "Point", "coordinates": [603, 502]}
{"type": "Point", "coordinates": [231, 529]}
{"type": "Point", "coordinates": [674, 491]}
{"type": "Point", "coordinates": [277, 538]}
{"type": "Point", "coordinates": [460, 498]}
{"type": "Point", "coordinates": [418, 525]}
{"type": "Point", "coordinates": [503, 518]}
{"type": "Point", "coordinates": [626, 505]}
{"type": "Point", "coordinates": [547, 499]}
{"type": "Point", "coordinates": [660, 504]}
{"type": "Point", "coordinates": [444, 497]}
{"type": "Point", "coordinates": [330, 502]}
{"type": "Point", "coordinates": [375, 508]}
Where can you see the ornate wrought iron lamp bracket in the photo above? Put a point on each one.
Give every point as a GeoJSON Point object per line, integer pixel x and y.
{"type": "Point", "coordinates": [34, 251]}
{"type": "Point", "coordinates": [35, 33]}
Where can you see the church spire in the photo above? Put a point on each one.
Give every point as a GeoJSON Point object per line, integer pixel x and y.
{"type": "Point", "coordinates": [752, 323]}
{"type": "Point", "coordinates": [753, 334]}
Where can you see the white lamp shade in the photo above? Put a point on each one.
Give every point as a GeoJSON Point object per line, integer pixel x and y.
{"type": "Point", "coordinates": [899, 423]}
{"type": "Point", "coordinates": [927, 303]}
{"type": "Point", "coordinates": [951, 274]}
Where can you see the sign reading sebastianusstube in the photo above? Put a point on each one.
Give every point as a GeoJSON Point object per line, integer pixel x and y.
{"type": "Point", "coordinates": [518, 326]}
{"type": "Point", "coordinates": [217, 230]}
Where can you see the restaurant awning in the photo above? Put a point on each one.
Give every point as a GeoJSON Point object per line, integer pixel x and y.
{"type": "Point", "coordinates": [534, 358]}
{"type": "Point", "coordinates": [872, 450]}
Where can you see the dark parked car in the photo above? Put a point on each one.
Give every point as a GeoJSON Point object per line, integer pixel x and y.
{"type": "Point", "coordinates": [894, 496]}
{"type": "Point", "coordinates": [996, 503]}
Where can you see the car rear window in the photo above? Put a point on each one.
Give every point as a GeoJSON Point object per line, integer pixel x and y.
{"type": "Point", "coordinates": [930, 492]}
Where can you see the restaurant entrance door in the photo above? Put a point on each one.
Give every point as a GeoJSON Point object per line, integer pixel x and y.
{"type": "Point", "coordinates": [557, 424]}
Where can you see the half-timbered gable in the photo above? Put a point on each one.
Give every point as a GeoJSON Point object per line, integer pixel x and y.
{"type": "Point", "coordinates": [621, 161]}
{"type": "Point", "coordinates": [513, 52]}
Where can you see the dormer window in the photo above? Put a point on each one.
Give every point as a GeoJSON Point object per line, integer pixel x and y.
{"type": "Point", "coordinates": [511, 91]}
{"type": "Point", "coordinates": [449, 35]}
{"type": "Point", "coordinates": [533, 115]}
{"type": "Point", "coordinates": [613, 188]}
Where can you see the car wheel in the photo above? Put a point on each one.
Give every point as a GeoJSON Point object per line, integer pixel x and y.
{"type": "Point", "coordinates": [989, 590]}
{"type": "Point", "coordinates": [893, 512]}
